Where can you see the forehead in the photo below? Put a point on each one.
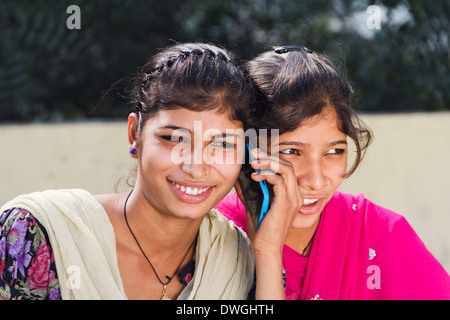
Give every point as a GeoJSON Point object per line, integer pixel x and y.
{"type": "Point", "coordinates": [323, 126]}
{"type": "Point", "coordinates": [188, 119]}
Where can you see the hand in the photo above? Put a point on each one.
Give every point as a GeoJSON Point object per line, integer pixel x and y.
{"type": "Point", "coordinates": [284, 205]}
{"type": "Point", "coordinates": [269, 240]}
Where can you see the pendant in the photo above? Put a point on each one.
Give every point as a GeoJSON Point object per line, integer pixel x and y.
{"type": "Point", "coordinates": [164, 296]}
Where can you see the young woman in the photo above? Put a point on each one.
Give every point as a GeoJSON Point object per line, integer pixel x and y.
{"type": "Point", "coordinates": [162, 240]}
{"type": "Point", "coordinates": [339, 246]}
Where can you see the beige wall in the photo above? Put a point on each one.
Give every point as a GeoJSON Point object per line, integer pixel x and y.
{"type": "Point", "coordinates": [90, 155]}
{"type": "Point", "coordinates": [407, 169]}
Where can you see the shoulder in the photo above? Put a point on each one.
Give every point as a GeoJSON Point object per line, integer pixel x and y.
{"type": "Point", "coordinates": [15, 223]}
{"type": "Point", "coordinates": [384, 228]}
{"type": "Point", "coordinates": [27, 269]}
{"type": "Point", "coordinates": [358, 205]}
{"type": "Point", "coordinates": [408, 268]}
{"type": "Point", "coordinates": [48, 199]}
{"type": "Point", "coordinates": [113, 205]}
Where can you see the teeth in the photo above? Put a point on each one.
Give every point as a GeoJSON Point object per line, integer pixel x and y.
{"type": "Point", "coordinates": [309, 201]}
{"type": "Point", "coordinates": [192, 191]}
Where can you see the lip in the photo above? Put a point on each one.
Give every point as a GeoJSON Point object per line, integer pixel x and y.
{"type": "Point", "coordinates": [190, 198]}
{"type": "Point", "coordinates": [310, 209]}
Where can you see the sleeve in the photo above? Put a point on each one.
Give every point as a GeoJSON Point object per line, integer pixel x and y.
{"type": "Point", "coordinates": [27, 266]}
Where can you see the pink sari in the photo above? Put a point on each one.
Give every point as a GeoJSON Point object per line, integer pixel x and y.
{"type": "Point", "coordinates": [362, 251]}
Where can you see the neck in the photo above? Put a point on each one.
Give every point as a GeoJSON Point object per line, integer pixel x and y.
{"type": "Point", "coordinates": [302, 238]}
{"type": "Point", "coordinates": [161, 235]}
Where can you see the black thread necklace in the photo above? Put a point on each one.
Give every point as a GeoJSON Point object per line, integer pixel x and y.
{"type": "Point", "coordinates": [164, 291]}
{"type": "Point", "coordinates": [310, 240]}
{"type": "Point", "coordinates": [307, 246]}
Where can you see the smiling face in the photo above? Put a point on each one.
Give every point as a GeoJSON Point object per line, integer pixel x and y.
{"type": "Point", "coordinates": [318, 151]}
{"type": "Point", "coordinates": [188, 161]}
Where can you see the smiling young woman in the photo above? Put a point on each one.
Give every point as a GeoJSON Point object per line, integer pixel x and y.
{"type": "Point", "coordinates": [163, 239]}
{"type": "Point", "coordinates": [336, 246]}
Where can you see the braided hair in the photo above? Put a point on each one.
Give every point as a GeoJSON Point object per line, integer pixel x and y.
{"type": "Point", "coordinates": [195, 76]}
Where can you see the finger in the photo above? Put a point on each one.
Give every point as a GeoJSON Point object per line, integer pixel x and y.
{"type": "Point", "coordinates": [272, 166]}
{"type": "Point", "coordinates": [275, 166]}
{"type": "Point", "coordinates": [263, 160]}
{"type": "Point", "coordinates": [258, 154]}
{"type": "Point", "coordinates": [285, 182]}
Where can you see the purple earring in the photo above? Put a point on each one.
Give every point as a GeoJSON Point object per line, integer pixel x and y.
{"type": "Point", "coordinates": [133, 151]}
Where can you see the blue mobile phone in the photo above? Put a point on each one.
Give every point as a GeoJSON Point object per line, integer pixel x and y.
{"type": "Point", "coordinates": [264, 189]}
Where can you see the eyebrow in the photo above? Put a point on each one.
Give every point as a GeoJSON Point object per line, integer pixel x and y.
{"type": "Point", "coordinates": [224, 135]}
{"type": "Point", "coordinates": [175, 128]}
{"type": "Point", "coordinates": [221, 135]}
{"type": "Point", "coordinates": [303, 144]}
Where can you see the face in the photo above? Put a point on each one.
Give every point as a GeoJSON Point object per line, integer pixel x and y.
{"type": "Point", "coordinates": [188, 161]}
{"type": "Point", "coordinates": [318, 151]}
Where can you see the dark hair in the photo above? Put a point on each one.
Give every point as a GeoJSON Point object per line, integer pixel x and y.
{"type": "Point", "coordinates": [195, 76]}
{"type": "Point", "coordinates": [297, 84]}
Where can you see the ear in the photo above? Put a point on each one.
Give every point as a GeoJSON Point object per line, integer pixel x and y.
{"type": "Point", "coordinates": [133, 123]}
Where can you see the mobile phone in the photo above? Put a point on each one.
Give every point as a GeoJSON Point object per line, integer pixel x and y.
{"type": "Point", "coordinates": [256, 195]}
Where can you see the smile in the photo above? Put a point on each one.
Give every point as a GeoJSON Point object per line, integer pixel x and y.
{"type": "Point", "coordinates": [190, 190]}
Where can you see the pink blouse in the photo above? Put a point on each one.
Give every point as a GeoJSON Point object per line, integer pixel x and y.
{"type": "Point", "coordinates": [295, 269]}
{"type": "Point", "coordinates": [379, 255]}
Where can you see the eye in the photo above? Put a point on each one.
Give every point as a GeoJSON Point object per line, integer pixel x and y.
{"type": "Point", "coordinates": [290, 151]}
{"type": "Point", "coordinates": [223, 144]}
{"type": "Point", "coordinates": [336, 151]}
{"type": "Point", "coordinates": [178, 138]}
{"type": "Point", "coordinates": [173, 138]}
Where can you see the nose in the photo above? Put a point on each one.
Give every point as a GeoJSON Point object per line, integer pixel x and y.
{"type": "Point", "coordinates": [311, 175]}
{"type": "Point", "coordinates": [196, 171]}
{"type": "Point", "coordinates": [194, 165]}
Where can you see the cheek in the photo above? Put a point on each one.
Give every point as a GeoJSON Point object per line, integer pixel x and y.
{"type": "Point", "coordinates": [227, 165]}
{"type": "Point", "coordinates": [229, 172]}
{"type": "Point", "coordinates": [336, 175]}
{"type": "Point", "coordinates": [228, 175]}
{"type": "Point", "coordinates": [336, 172]}
{"type": "Point", "coordinates": [154, 158]}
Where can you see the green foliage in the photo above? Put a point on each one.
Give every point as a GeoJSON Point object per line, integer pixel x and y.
{"type": "Point", "coordinates": [51, 73]}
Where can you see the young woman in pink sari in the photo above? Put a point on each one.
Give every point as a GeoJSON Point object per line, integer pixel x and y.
{"type": "Point", "coordinates": [336, 246]}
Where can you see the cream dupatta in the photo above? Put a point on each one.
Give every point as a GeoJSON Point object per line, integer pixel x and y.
{"type": "Point", "coordinates": [83, 243]}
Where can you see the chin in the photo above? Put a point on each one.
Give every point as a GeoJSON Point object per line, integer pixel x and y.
{"type": "Point", "coordinates": [304, 222]}
{"type": "Point", "coordinates": [190, 211]}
